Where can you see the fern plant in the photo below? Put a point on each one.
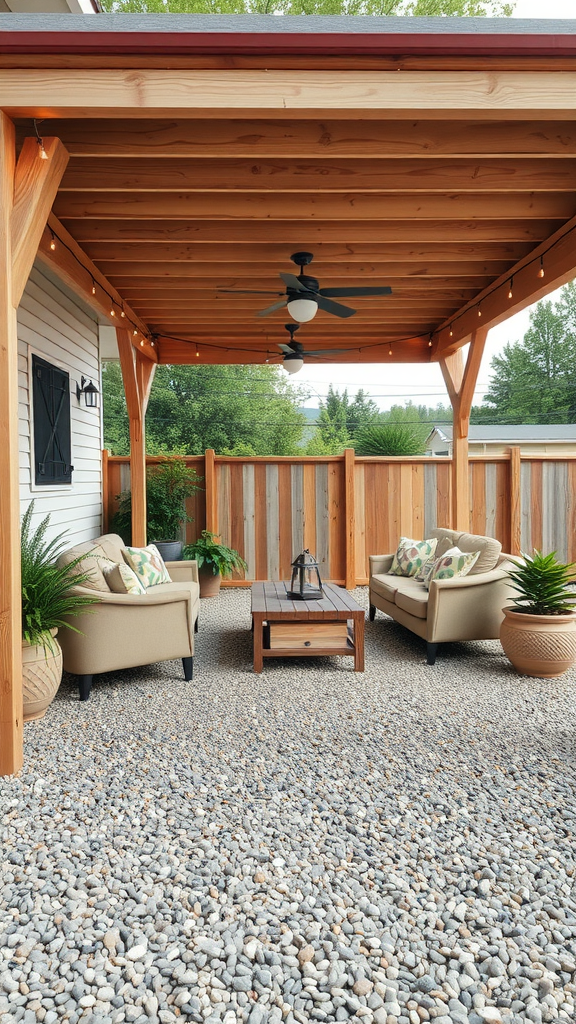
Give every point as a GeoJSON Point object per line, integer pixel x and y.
{"type": "Point", "coordinates": [543, 584]}
{"type": "Point", "coordinates": [47, 600]}
{"type": "Point", "coordinates": [216, 558]}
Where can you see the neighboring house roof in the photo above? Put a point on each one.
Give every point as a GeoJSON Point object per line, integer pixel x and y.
{"type": "Point", "coordinates": [253, 33]}
{"type": "Point", "coordinates": [40, 7]}
{"type": "Point", "coordinates": [510, 434]}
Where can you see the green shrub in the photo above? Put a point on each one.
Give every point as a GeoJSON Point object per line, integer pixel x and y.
{"type": "Point", "coordinates": [389, 439]}
{"type": "Point", "coordinates": [214, 557]}
{"type": "Point", "coordinates": [168, 484]}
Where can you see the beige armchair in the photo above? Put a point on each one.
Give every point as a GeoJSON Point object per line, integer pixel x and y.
{"type": "Point", "coordinates": [464, 608]}
{"type": "Point", "coordinates": [124, 630]}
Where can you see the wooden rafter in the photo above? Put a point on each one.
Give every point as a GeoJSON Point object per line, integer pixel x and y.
{"type": "Point", "coordinates": [137, 375]}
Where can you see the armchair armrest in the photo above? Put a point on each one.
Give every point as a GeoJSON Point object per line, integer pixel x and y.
{"type": "Point", "coordinates": [380, 563]}
{"type": "Point", "coordinates": [183, 570]}
{"type": "Point", "coordinates": [124, 600]}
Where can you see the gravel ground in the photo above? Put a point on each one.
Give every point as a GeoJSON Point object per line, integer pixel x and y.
{"type": "Point", "coordinates": [309, 844]}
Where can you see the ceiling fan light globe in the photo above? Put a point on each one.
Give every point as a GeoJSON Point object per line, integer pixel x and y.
{"type": "Point", "coordinates": [302, 310]}
{"type": "Point", "coordinates": [292, 364]}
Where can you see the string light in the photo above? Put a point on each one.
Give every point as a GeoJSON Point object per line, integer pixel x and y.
{"type": "Point", "coordinates": [451, 332]}
{"type": "Point", "coordinates": [142, 343]}
{"type": "Point", "coordinates": [112, 311]}
{"type": "Point", "coordinates": [40, 141]}
{"type": "Point", "coordinates": [430, 342]}
{"type": "Point", "coordinates": [197, 352]}
{"type": "Point", "coordinates": [510, 287]}
{"type": "Point", "coordinates": [53, 242]}
{"type": "Point", "coordinates": [479, 311]}
{"type": "Point", "coordinates": [541, 271]}
{"type": "Point", "coordinates": [122, 313]}
{"type": "Point", "coordinates": [93, 287]}
{"type": "Point", "coordinates": [135, 332]}
{"type": "Point", "coordinates": [390, 350]}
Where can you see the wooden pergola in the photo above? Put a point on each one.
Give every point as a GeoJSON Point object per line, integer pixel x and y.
{"type": "Point", "coordinates": [184, 156]}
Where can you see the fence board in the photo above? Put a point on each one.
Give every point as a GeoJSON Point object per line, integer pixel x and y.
{"type": "Point", "coordinates": [269, 509]}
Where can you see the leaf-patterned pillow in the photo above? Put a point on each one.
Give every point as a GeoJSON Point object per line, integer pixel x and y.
{"type": "Point", "coordinates": [411, 556]}
{"type": "Point", "coordinates": [450, 565]}
{"type": "Point", "coordinates": [123, 580]}
{"type": "Point", "coordinates": [148, 565]}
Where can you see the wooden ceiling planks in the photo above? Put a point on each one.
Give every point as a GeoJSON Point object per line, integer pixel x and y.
{"type": "Point", "coordinates": [442, 201]}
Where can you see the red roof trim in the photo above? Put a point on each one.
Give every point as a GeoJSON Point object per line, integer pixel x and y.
{"type": "Point", "coordinates": [321, 43]}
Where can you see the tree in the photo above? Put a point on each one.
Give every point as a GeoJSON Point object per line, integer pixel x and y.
{"type": "Point", "coordinates": [534, 380]}
{"type": "Point", "coordinates": [191, 408]}
{"type": "Point", "coordinates": [340, 417]}
{"type": "Point", "coordinates": [389, 439]}
{"type": "Point", "coordinates": [420, 8]}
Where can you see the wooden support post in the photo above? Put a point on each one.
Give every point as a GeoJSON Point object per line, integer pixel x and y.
{"type": "Point", "coordinates": [460, 382]}
{"type": "Point", "coordinates": [11, 716]}
{"type": "Point", "coordinates": [105, 490]}
{"type": "Point", "coordinates": [210, 488]}
{"type": "Point", "coordinates": [350, 514]}
{"type": "Point", "coordinates": [515, 502]}
{"type": "Point", "coordinates": [137, 374]}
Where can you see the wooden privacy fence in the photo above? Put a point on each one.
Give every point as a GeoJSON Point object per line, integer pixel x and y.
{"type": "Point", "coordinates": [345, 508]}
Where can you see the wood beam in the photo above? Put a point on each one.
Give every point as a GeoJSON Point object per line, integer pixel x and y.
{"type": "Point", "coordinates": [555, 258]}
{"type": "Point", "coordinates": [460, 379]}
{"type": "Point", "coordinates": [242, 253]}
{"type": "Point", "coordinates": [137, 375]}
{"type": "Point", "coordinates": [482, 95]}
{"type": "Point", "coordinates": [259, 139]}
{"type": "Point", "coordinates": [11, 711]}
{"type": "Point", "coordinates": [169, 275]}
{"type": "Point", "coordinates": [162, 174]}
{"type": "Point", "coordinates": [343, 271]}
{"type": "Point", "coordinates": [316, 232]}
{"type": "Point", "coordinates": [303, 207]}
{"type": "Point", "coordinates": [68, 261]}
{"type": "Point", "coordinates": [35, 188]}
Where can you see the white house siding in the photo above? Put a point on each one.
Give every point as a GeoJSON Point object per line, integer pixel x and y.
{"type": "Point", "coordinates": [52, 324]}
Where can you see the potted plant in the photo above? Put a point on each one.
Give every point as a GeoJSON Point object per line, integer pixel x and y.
{"type": "Point", "coordinates": [214, 562]}
{"type": "Point", "coordinates": [538, 633]}
{"type": "Point", "coordinates": [168, 484]}
{"type": "Point", "coordinates": [46, 606]}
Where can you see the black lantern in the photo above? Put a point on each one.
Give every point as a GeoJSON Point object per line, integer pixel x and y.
{"type": "Point", "coordinates": [90, 392]}
{"type": "Point", "coordinates": [305, 584]}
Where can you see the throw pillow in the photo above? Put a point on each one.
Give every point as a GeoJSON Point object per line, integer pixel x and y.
{"type": "Point", "coordinates": [453, 563]}
{"type": "Point", "coordinates": [148, 565]}
{"type": "Point", "coordinates": [411, 556]}
{"type": "Point", "coordinates": [123, 580]}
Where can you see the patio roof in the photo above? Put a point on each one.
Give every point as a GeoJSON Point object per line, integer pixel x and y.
{"type": "Point", "coordinates": [187, 156]}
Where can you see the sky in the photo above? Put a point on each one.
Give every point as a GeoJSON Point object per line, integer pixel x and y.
{"type": "Point", "coordinates": [423, 383]}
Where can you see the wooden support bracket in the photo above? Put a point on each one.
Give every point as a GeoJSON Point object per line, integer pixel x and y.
{"type": "Point", "coordinates": [137, 374]}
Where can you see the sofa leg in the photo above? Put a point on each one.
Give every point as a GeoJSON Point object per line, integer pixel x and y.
{"type": "Point", "coordinates": [84, 686]}
{"type": "Point", "coordinates": [372, 612]}
{"type": "Point", "coordinates": [196, 625]}
{"type": "Point", "coordinates": [431, 651]}
{"type": "Point", "coordinates": [188, 666]}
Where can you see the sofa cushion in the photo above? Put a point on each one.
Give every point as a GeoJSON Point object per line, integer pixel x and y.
{"type": "Point", "coordinates": [385, 586]}
{"type": "Point", "coordinates": [488, 547]}
{"type": "Point", "coordinates": [411, 555]}
{"type": "Point", "coordinates": [123, 580]}
{"type": "Point", "coordinates": [148, 565]}
{"type": "Point", "coordinates": [112, 546]}
{"type": "Point", "coordinates": [454, 563]}
{"type": "Point", "coordinates": [412, 597]}
{"type": "Point", "coordinates": [93, 561]}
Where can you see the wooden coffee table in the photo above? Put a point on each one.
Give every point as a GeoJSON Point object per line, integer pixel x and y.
{"type": "Point", "coordinates": [284, 628]}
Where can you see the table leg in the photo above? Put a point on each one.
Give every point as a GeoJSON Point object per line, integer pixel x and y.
{"type": "Point", "coordinates": [258, 623]}
{"type": "Point", "coordinates": [359, 643]}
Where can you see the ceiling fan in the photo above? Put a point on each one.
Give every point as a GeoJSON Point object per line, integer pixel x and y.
{"type": "Point", "coordinates": [304, 296]}
{"type": "Point", "coordinates": [294, 352]}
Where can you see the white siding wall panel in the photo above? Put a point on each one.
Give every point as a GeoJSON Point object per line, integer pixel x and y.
{"type": "Point", "coordinates": [53, 326]}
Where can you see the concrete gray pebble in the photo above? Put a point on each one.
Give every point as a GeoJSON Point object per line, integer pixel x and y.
{"type": "Point", "coordinates": [309, 844]}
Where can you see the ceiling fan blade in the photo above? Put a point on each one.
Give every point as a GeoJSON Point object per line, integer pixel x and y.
{"type": "Point", "coordinates": [350, 292]}
{"type": "Point", "coordinates": [335, 308]}
{"type": "Point", "coordinates": [245, 291]}
{"type": "Point", "coordinates": [272, 309]}
{"type": "Point", "coordinates": [287, 349]}
{"type": "Point", "coordinates": [293, 282]}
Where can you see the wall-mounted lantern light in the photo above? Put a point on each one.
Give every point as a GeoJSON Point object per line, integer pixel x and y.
{"type": "Point", "coordinates": [90, 392]}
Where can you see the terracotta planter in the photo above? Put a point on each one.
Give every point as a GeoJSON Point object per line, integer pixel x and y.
{"type": "Point", "coordinates": [209, 583]}
{"type": "Point", "coordinates": [539, 645]}
{"type": "Point", "coordinates": [41, 677]}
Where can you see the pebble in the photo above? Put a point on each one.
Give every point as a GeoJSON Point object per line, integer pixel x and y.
{"type": "Point", "coordinates": [305, 845]}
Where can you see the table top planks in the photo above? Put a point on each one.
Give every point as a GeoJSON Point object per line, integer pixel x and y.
{"type": "Point", "coordinates": [272, 600]}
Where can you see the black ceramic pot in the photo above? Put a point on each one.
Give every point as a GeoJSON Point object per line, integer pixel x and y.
{"type": "Point", "coordinates": [171, 550]}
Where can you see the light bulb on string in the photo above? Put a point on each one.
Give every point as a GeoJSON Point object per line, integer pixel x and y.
{"type": "Point", "coordinates": [93, 287]}
{"type": "Point", "coordinates": [135, 333]}
{"type": "Point", "coordinates": [53, 241]}
{"type": "Point", "coordinates": [479, 311]}
{"type": "Point", "coordinates": [510, 287]}
{"type": "Point", "coordinates": [41, 151]}
{"type": "Point", "coordinates": [541, 270]}
{"type": "Point", "coordinates": [122, 313]}
{"type": "Point", "coordinates": [451, 332]}
{"type": "Point", "coordinates": [390, 350]}
{"type": "Point", "coordinates": [197, 352]}
{"type": "Point", "coordinates": [142, 343]}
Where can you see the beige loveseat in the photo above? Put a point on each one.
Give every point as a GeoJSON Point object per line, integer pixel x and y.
{"type": "Point", "coordinates": [464, 608]}
{"type": "Point", "coordinates": [124, 630]}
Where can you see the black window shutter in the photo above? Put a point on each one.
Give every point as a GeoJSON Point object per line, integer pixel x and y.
{"type": "Point", "coordinates": [52, 434]}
